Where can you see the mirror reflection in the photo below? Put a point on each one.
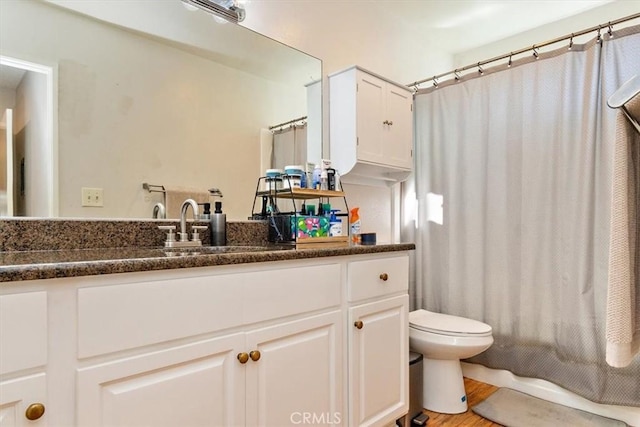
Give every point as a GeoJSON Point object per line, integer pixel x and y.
{"type": "Point", "coordinates": [108, 95]}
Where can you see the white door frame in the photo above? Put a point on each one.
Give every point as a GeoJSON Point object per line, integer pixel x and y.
{"type": "Point", "coordinates": [51, 124]}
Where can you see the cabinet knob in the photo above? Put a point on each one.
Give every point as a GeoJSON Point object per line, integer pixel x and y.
{"type": "Point", "coordinates": [384, 277]}
{"type": "Point", "coordinates": [358, 324]}
{"type": "Point", "coordinates": [254, 355]}
{"type": "Point", "coordinates": [243, 358]}
{"type": "Point", "coordinates": [34, 411]}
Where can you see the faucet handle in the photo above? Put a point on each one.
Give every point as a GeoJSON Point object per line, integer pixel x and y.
{"type": "Point", "coordinates": [171, 235]}
{"type": "Point", "coordinates": [195, 236]}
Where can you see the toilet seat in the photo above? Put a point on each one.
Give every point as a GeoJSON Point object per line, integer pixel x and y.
{"type": "Point", "coordinates": [445, 324]}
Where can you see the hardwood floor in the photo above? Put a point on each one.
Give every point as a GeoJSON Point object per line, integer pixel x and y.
{"type": "Point", "coordinates": [476, 393]}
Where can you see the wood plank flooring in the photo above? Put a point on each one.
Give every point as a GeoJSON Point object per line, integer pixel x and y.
{"type": "Point", "coordinates": [476, 393]}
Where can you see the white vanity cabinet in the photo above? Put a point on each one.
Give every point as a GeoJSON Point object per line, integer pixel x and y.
{"type": "Point", "coordinates": [378, 341]}
{"type": "Point", "coordinates": [254, 369]}
{"type": "Point", "coordinates": [23, 356]}
{"type": "Point", "coordinates": [267, 344]}
{"type": "Point", "coordinates": [371, 124]}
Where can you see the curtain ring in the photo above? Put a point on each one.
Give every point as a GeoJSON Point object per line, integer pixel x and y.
{"type": "Point", "coordinates": [570, 42]}
{"type": "Point", "coordinates": [456, 75]}
{"type": "Point", "coordinates": [480, 70]}
{"type": "Point", "coordinates": [610, 30]}
{"type": "Point", "coordinates": [435, 81]}
{"type": "Point", "coordinates": [535, 52]}
{"type": "Point", "coordinates": [599, 39]}
{"type": "Point", "coordinates": [510, 61]}
{"type": "Point", "coordinates": [415, 88]}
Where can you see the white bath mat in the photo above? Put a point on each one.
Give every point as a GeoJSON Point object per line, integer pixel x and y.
{"type": "Point", "coordinates": [514, 409]}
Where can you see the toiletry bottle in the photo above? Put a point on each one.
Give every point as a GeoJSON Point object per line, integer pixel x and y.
{"type": "Point", "coordinates": [354, 223]}
{"type": "Point", "coordinates": [218, 226]}
{"type": "Point", "coordinates": [331, 179]}
{"type": "Point", "coordinates": [316, 177]}
{"type": "Point", "coordinates": [324, 180]}
{"type": "Point", "coordinates": [263, 211]}
{"type": "Point", "coordinates": [335, 225]}
{"type": "Point", "coordinates": [206, 211]}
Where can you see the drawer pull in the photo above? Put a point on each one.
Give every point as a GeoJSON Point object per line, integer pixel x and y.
{"type": "Point", "coordinates": [384, 277]}
{"type": "Point", "coordinates": [254, 355]}
{"type": "Point", "coordinates": [243, 358]}
{"type": "Point", "coordinates": [34, 411]}
{"type": "Point", "coordinates": [358, 324]}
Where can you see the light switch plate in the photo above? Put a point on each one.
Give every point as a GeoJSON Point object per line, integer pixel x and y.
{"type": "Point", "coordinates": [92, 197]}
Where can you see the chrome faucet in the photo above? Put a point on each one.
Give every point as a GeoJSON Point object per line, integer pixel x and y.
{"type": "Point", "coordinates": [159, 211]}
{"type": "Point", "coordinates": [183, 237]}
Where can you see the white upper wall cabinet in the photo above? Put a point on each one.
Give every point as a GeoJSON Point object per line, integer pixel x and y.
{"type": "Point", "coordinates": [370, 127]}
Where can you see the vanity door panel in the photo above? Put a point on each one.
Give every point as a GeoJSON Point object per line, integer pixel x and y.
{"type": "Point", "coordinates": [200, 384]}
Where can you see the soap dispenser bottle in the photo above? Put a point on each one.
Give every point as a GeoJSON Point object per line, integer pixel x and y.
{"type": "Point", "coordinates": [218, 226]}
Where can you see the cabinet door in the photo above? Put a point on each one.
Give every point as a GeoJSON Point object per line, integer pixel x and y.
{"type": "Point", "coordinates": [370, 117]}
{"type": "Point", "coordinates": [200, 384]}
{"type": "Point", "coordinates": [297, 378]}
{"type": "Point", "coordinates": [378, 362]}
{"type": "Point", "coordinates": [15, 397]}
{"type": "Point", "coordinates": [398, 136]}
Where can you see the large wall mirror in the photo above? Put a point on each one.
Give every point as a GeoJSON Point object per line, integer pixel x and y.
{"type": "Point", "coordinates": [109, 95]}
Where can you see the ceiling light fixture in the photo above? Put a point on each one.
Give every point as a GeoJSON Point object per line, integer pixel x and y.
{"type": "Point", "coordinates": [230, 10]}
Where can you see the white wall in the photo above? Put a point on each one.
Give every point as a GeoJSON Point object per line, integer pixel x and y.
{"type": "Point", "coordinates": [588, 19]}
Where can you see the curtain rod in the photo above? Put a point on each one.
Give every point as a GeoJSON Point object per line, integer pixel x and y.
{"type": "Point", "coordinates": [288, 123]}
{"type": "Point", "coordinates": [608, 26]}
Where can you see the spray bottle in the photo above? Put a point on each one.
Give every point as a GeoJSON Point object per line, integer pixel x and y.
{"type": "Point", "coordinates": [354, 224]}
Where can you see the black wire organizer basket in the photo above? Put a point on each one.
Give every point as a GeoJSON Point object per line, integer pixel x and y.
{"type": "Point", "coordinates": [281, 207]}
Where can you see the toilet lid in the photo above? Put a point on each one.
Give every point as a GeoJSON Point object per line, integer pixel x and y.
{"type": "Point", "coordinates": [446, 324]}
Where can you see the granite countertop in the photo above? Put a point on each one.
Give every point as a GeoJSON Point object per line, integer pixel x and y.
{"type": "Point", "coordinates": [32, 265]}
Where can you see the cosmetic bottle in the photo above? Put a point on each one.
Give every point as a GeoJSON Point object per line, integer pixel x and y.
{"type": "Point", "coordinates": [218, 226]}
{"type": "Point", "coordinates": [206, 211]}
{"type": "Point", "coordinates": [335, 225]}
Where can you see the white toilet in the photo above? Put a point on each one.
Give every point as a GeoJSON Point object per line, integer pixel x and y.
{"type": "Point", "coordinates": [443, 340]}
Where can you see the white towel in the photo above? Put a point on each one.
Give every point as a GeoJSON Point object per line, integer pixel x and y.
{"type": "Point", "coordinates": [623, 294]}
{"type": "Point", "coordinates": [175, 196]}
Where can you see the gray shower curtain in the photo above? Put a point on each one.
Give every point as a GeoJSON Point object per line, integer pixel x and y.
{"type": "Point", "coordinates": [522, 157]}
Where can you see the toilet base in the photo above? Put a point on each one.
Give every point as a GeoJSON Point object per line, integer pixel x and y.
{"type": "Point", "coordinates": [443, 386]}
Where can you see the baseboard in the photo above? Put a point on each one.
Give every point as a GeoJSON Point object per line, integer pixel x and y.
{"type": "Point", "coordinates": [548, 391]}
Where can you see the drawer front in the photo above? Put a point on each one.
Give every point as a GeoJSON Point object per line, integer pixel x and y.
{"type": "Point", "coordinates": [23, 331]}
{"type": "Point", "coordinates": [377, 277]}
{"type": "Point", "coordinates": [286, 292]}
{"type": "Point", "coordinates": [130, 315]}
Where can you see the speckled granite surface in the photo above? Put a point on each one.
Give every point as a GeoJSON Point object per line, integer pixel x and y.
{"type": "Point", "coordinates": [33, 265]}
{"type": "Point", "coordinates": [33, 249]}
{"type": "Point", "coordinates": [55, 234]}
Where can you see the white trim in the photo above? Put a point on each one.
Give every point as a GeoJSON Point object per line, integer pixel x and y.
{"type": "Point", "coordinates": [51, 124]}
{"type": "Point", "coordinates": [548, 391]}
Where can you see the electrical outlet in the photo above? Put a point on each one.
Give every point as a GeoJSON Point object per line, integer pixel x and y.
{"type": "Point", "coordinates": [92, 197]}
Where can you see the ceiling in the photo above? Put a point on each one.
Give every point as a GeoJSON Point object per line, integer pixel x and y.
{"type": "Point", "coordinates": [461, 25]}
{"type": "Point", "coordinates": [10, 77]}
